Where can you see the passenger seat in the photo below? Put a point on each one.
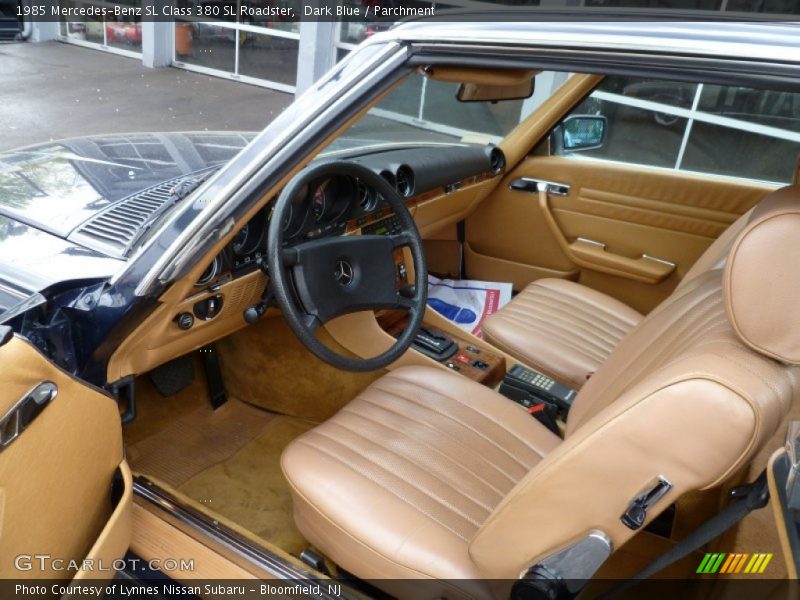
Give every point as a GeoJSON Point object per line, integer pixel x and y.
{"type": "Point", "coordinates": [567, 330]}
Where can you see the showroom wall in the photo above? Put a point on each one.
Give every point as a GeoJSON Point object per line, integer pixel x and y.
{"type": "Point", "coordinates": [280, 54]}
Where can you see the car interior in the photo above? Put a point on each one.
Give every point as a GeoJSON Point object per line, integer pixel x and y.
{"type": "Point", "coordinates": [295, 387]}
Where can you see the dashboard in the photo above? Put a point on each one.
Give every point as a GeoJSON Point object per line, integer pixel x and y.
{"type": "Point", "coordinates": [344, 205]}
{"type": "Point", "coordinates": [442, 184]}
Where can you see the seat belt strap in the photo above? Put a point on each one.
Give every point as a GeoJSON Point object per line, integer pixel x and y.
{"type": "Point", "coordinates": [746, 499]}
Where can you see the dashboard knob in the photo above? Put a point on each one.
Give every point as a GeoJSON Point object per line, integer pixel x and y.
{"type": "Point", "coordinates": [254, 313]}
{"type": "Point", "coordinates": [185, 320]}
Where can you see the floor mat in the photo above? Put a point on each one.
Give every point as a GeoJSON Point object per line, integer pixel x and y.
{"type": "Point", "coordinates": [197, 440]}
{"type": "Point", "coordinates": [250, 489]}
{"type": "Point", "coordinates": [229, 461]}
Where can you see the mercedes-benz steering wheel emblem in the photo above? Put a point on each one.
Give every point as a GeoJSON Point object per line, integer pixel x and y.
{"type": "Point", "coordinates": [343, 272]}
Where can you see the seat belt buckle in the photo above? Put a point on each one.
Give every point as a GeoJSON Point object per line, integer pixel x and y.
{"type": "Point", "coordinates": [636, 513]}
{"type": "Point", "coordinates": [546, 413]}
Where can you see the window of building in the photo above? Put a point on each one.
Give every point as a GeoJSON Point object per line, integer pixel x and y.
{"type": "Point", "coordinates": [120, 35]}
{"type": "Point", "coordinates": [258, 50]}
{"type": "Point", "coordinates": [719, 130]}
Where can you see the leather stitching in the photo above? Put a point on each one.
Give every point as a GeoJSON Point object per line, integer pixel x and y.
{"type": "Point", "coordinates": [484, 416]}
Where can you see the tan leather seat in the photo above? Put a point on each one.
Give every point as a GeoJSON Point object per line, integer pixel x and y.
{"type": "Point", "coordinates": [567, 330]}
{"type": "Point", "coordinates": [429, 475]}
{"type": "Point", "coordinates": [425, 453]}
{"type": "Point", "coordinates": [563, 329]}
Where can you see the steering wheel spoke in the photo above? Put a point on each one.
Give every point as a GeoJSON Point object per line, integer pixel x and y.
{"type": "Point", "coordinates": [404, 302]}
{"type": "Point", "coordinates": [290, 257]}
{"type": "Point", "coordinates": [400, 240]}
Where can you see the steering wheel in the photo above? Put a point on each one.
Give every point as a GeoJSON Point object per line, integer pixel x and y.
{"type": "Point", "coordinates": [318, 280]}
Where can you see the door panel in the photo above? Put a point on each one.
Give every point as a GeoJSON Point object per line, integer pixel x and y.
{"type": "Point", "coordinates": [57, 475]}
{"type": "Point", "coordinates": [629, 211]}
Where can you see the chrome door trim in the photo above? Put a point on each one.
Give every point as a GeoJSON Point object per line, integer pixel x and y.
{"type": "Point", "coordinates": [229, 543]}
{"type": "Point", "coordinates": [23, 412]}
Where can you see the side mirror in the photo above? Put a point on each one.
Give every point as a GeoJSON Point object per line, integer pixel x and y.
{"type": "Point", "coordinates": [583, 132]}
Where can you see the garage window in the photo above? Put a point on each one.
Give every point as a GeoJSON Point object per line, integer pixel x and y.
{"type": "Point", "coordinates": [720, 130]}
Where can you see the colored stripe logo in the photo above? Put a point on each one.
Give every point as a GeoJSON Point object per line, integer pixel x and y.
{"type": "Point", "coordinates": [731, 564]}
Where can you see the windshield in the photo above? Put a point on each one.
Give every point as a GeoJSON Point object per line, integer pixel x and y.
{"type": "Point", "coordinates": [423, 111]}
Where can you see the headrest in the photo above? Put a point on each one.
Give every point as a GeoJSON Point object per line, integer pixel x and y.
{"type": "Point", "coordinates": [762, 278]}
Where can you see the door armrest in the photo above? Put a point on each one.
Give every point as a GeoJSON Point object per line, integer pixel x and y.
{"type": "Point", "coordinates": [594, 255]}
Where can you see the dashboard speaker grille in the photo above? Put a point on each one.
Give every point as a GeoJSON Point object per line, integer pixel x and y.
{"type": "Point", "coordinates": [246, 293]}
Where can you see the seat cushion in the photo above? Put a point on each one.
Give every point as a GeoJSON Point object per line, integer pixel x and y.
{"type": "Point", "coordinates": [395, 484]}
{"type": "Point", "coordinates": [564, 329]}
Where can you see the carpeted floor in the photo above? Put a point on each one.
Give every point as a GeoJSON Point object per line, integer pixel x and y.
{"type": "Point", "coordinates": [250, 489]}
{"type": "Point", "coordinates": [228, 460]}
{"type": "Point", "coordinates": [266, 365]}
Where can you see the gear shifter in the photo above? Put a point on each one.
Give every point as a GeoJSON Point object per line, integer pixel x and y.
{"type": "Point", "coordinates": [434, 343]}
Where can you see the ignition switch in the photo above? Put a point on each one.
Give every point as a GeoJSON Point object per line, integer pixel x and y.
{"type": "Point", "coordinates": [208, 308]}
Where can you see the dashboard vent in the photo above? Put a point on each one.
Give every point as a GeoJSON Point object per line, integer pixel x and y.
{"type": "Point", "coordinates": [404, 183]}
{"type": "Point", "coordinates": [113, 230]}
{"type": "Point", "coordinates": [497, 160]}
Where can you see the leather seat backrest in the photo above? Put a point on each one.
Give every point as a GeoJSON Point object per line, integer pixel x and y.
{"type": "Point", "coordinates": [715, 255]}
{"type": "Point", "coordinates": [690, 394]}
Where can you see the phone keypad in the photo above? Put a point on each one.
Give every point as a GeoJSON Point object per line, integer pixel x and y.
{"type": "Point", "coordinates": [536, 379]}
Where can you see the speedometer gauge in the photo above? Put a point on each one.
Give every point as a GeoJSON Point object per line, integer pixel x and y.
{"type": "Point", "coordinates": [331, 198]}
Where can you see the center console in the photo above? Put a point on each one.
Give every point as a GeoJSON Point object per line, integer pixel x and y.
{"type": "Point", "coordinates": [457, 354]}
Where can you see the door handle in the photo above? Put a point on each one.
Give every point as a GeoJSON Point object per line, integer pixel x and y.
{"type": "Point", "coordinates": [527, 184]}
{"type": "Point", "coordinates": [24, 411]}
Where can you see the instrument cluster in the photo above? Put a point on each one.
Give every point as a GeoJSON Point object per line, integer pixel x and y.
{"type": "Point", "coordinates": [321, 208]}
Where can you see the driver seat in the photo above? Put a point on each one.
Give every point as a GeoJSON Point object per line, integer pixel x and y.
{"type": "Point", "coordinates": [428, 475]}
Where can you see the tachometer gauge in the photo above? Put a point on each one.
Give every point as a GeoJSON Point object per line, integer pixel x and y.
{"type": "Point", "coordinates": [295, 214]}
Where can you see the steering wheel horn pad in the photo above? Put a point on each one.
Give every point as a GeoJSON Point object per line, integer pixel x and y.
{"type": "Point", "coordinates": [334, 276]}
